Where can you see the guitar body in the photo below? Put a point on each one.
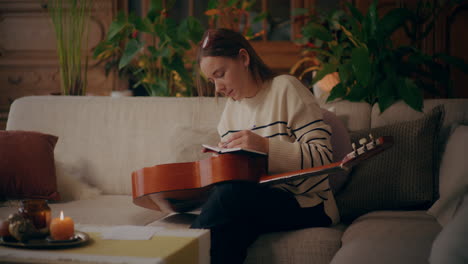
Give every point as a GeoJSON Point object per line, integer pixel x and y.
{"type": "Point", "coordinates": [182, 187]}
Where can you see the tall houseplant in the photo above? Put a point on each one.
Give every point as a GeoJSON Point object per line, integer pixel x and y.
{"type": "Point", "coordinates": [151, 50]}
{"type": "Point", "coordinates": [370, 65]}
{"type": "Point", "coordinates": [70, 19]}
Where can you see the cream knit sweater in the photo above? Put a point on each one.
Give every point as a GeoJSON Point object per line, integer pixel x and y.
{"type": "Point", "coordinates": [286, 112]}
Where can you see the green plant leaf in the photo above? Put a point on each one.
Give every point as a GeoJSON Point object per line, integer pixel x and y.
{"type": "Point", "coordinates": [117, 26]}
{"type": "Point", "coordinates": [314, 30]}
{"type": "Point", "coordinates": [361, 65]}
{"type": "Point", "coordinates": [160, 30]}
{"type": "Point", "coordinates": [357, 93]}
{"type": "Point", "coordinates": [232, 2]}
{"type": "Point", "coordinates": [337, 51]}
{"type": "Point", "coordinates": [171, 28]}
{"type": "Point", "coordinates": [164, 52]}
{"type": "Point", "coordinates": [345, 72]}
{"type": "Point", "coordinates": [260, 17]}
{"type": "Point", "coordinates": [190, 29]}
{"type": "Point", "coordinates": [339, 91]}
{"type": "Point", "coordinates": [385, 93]}
{"type": "Point", "coordinates": [101, 47]}
{"type": "Point", "coordinates": [385, 102]}
{"type": "Point", "coordinates": [411, 94]}
{"type": "Point", "coordinates": [183, 43]}
{"type": "Point", "coordinates": [457, 62]}
{"type": "Point", "coordinates": [156, 6]}
{"type": "Point", "coordinates": [326, 69]}
{"type": "Point", "coordinates": [154, 11]}
{"type": "Point", "coordinates": [178, 65]}
{"type": "Point", "coordinates": [153, 52]}
{"type": "Point", "coordinates": [351, 37]}
{"type": "Point", "coordinates": [371, 20]}
{"type": "Point", "coordinates": [213, 4]}
{"type": "Point", "coordinates": [143, 24]}
{"type": "Point", "coordinates": [392, 21]}
{"type": "Point", "coordinates": [299, 12]}
{"type": "Point", "coordinates": [355, 12]}
{"type": "Point", "coordinates": [160, 88]}
{"type": "Point", "coordinates": [131, 49]}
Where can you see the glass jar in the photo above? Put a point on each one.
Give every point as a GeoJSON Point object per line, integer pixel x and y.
{"type": "Point", "coordinates": [38, 211]}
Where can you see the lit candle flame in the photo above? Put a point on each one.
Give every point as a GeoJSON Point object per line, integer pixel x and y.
{"type": "Point", "coordinates": [61, 215]}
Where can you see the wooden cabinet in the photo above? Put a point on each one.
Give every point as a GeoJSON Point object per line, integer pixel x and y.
{"type": "Point", "coordinates": [28, 59]}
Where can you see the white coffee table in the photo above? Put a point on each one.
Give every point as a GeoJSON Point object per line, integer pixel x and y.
{"type": "Point", "coordinates": [166, 245]}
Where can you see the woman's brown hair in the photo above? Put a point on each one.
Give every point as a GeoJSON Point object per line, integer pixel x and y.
{"type": "Point", "coordinates": [224, 42]}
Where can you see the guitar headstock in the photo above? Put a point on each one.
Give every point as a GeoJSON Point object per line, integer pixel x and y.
{"type": "Point", "coordinates": [369, 148]}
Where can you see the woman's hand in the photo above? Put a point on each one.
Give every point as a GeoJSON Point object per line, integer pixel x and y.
{"type": "Point", "coordinates": [246, 139]}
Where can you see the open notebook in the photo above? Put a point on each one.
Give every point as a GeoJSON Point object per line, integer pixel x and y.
{"type": "Point", "coordinates": [230, 150]}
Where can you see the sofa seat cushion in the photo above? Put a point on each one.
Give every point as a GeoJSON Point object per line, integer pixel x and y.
{"type": "Point", "coordinates": [300, 246]}
{"type": "Point", "coordinates": [388, 237]}
{"type": "Point", "coordinates": [102, 210]}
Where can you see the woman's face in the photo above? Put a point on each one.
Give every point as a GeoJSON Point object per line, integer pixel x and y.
{"type": "Point", "coordinates": [230, 76]}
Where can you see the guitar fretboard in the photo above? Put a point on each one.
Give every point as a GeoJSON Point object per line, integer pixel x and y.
{"type": "Point", "coordinates": [291, 176]}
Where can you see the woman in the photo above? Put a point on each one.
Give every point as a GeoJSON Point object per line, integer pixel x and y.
{"type": "Point", "coordinates": [272, 114]}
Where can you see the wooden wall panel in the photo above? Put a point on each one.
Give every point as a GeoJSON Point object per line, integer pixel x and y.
{"type": "Point", "coordinates": [457, 45]}
{"type": "Point", "coordinates": [28, 58]}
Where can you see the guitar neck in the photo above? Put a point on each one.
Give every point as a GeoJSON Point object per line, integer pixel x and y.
{"type": "Point", "coordinates": [301, 174]}
{"type": "Point", "coordinates": [365, 152]}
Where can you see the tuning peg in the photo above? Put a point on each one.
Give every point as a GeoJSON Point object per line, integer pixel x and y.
{"type": "Point", "coordinates": [353, 145]}
{"type": "Point", "coordinates": [363, 142]}
{"type": "Point", "coordinates": [374, 143]}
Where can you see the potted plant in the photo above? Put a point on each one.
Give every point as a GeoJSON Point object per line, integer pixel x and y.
{"type": "Point", "coordinates": [151, 50]}
{"type": "Point", "coordinates": [70, 19]}
{"type": "Point", "coordinates": [235, 15]}
{"type": "Point", "coordinates": [371, 67]}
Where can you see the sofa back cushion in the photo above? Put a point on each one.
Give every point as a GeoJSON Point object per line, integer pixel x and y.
{"type": "Point", "coordinates": [108, 138]}
{"type": "Point", "coordinates": [402, 177]}
{"type": "Point", "coordinates": [354, 115]}
{"type": "Point", "coordinates": [453, 183]}
{"type": "Point", "coordinates": [341, 144]}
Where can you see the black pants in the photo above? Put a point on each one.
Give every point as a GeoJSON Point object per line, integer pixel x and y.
{"type": "Point", "coordinates": [238, 212]}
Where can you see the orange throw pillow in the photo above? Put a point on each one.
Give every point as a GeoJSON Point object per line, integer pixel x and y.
{"type": "Point", "coordinates": [27, 167]}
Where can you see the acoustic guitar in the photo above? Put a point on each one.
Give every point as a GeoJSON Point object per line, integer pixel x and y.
{"type": "Point", "coordinates": [183, 187]}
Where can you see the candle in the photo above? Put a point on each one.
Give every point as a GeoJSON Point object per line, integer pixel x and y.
{"type": "Point", "coordinates": [62, 228]}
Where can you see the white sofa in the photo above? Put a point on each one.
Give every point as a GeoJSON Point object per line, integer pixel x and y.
{"type": "Point", "coordinates": [103, 139]}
